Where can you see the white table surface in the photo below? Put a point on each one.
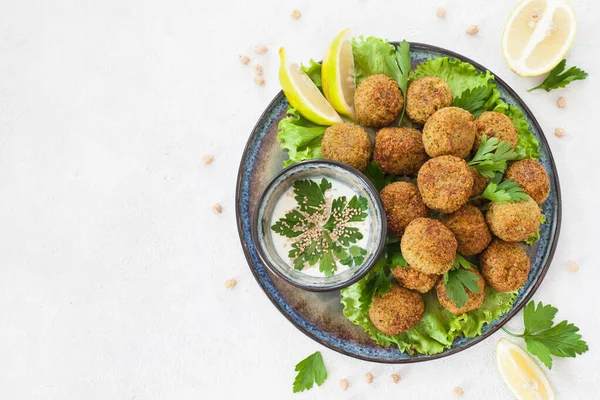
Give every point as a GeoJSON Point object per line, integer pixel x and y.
{"type": "Point", "coordinates": [111, 261]}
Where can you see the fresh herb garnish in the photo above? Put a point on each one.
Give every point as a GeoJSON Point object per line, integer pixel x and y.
{"type": "Point", "coordinates": [395, 257]}
{"type": "Point", "coordinates": [544, 340]}
{"type": "Point", "coordinates": [405, 64]}
{"type": "Point", "coordinates": [473, 100]}
{"type": "Point", "coordinates": [376, 175]}
{"type": "Point", "coordinates": [536, 236]}
{"type": "Point", "coordinates": [459, 278]}
{"type": "Point", "coordinates": [502, 192]}
{"type": "Point", "coordinates": [491, 157]}
{"type": "Point", "coordinates": [310, 370]}
{"type": "Point", "coordinates": [321, 233]}
{"type": "Point", "coordinates": [559, 79]}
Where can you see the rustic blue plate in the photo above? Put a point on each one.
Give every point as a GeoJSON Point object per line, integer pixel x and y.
{"type": "Point", "coordinates": [319, 315]}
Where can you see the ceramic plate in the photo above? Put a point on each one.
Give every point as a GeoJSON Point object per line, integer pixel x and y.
{"type": "Point", "coordinates": [319, 315]}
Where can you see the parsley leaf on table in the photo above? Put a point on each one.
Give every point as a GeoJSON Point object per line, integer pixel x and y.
{"type": "Point", "coordinates": [376, 175]}
{"type": "Point", "coordinates": [405, 64]}
{"type": "Point", "coordinates": [310, 370]}
{"type": "Point", "coordinates": [502, 192]}
{"type": "Point", "coordinates": [491, 157]}
{"type": "Point", "coordinates": [556, 79]}
{"type": "Point", "coordinates": [544, 340]}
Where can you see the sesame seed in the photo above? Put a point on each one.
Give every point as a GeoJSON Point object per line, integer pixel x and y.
{"type": "Point", "coordinates": [395, 378]}
{"type": "Point", "coordinates": [573, 266]}
{"type": "Point", "coordinates": [344, 384]}
{"type": "Point", "coordinates": [207, 159]}
{"type": "Point", "coordinates": [561, 102]}
{"type": "Point", "coordinates": [217, 208]}
{"type": "Point", "coordinates": [230, 283]}
{"type": "Point", "coordinates": [560, 132]}
{"type": "Point", "coordinates": [458, 392]}
{"type": "Point", "coordinates": [440, 12]}
{"type": "Point", "coordinates": [244, 59]}
{"type": "Point", "coordinates": [261, 49]}
{"type": "Point", "coordinates": [368, 377]}
{"type": "Point", "coordinates": [472, 30]}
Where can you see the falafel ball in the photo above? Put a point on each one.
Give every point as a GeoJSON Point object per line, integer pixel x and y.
{"type": "Point", "coordinates": [397, 311]}
{"type": "Point", "coordinates": [378, 101]}
{"type": "Point", "coordinates": [399, 151]}
{"type": "Point", "coordinates": [504, 265]}
{"type": "Point", "coordinates": [425, 96]}
{"type": "Point", "coordinates": [449, 131]}
{"type": "Point", "coordinates": [414, 279]}
{"type": "Point", "coordinates": [428, 246]}
{"type": "Point", "coordinates": [402, 203]}
{"type": "Point", "coordinates": [475, 299]}
{"type": "Point", "coordinates": [532, 178]}
{"type": "Point", "coordinates": [495, 124]}
{"type": "Point", "coordinates": [514, 221]}
{"type": "Point", "coordinates": [479, 182]}
{"type": "Point", "coordinates": [470, 230]}
{"type": "Point", "coordinates": [347, 143]}
{"type": "Point", "coordinates": [445, 183]}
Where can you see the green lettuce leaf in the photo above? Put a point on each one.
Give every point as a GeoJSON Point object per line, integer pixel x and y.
{"type": "Point", "coordinates": [527, 145]}
{"type": "Point", "coordinates": [299, 137]}
{"type": "Point", "coordinates": [374, 56]}
{"type": "Point", "coordinates": [314, 73]}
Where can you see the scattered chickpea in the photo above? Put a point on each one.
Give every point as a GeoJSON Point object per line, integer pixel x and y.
{"type": "Point", "coordinates": [259, 80]}
{"type": "Point", "coordinates": [207, 159]}
{"type": "Point", "coordinates": [230, 283]}
{"type": "Point", "coordinates": [472, 30]}
{"type": "Point", "coordinates": [561, 102]}
{"type": "Point", "coordinates": [368, 377]}
{"type": "Point", "coordinates": [560, 132]}
{"type": "Point", "coordinates": [296, 14]}
{"type": "Point", "coordinates": [458, 392]}
{"type": "Point", "coordinates": [440, 12]}
{"type": "Point", "coordinates": [573, 266]}
{"type": "Point", "coordinates": [244, 59]}
{"type": "Point", "coordinates": [262, 49]}
{"type": "Point", "coordinates": [344, 384]}
{"type": "Point", "coordinates": [258, 69]}
{"type": "Point", "coordinates": [217, 208]}
{"type": "Point", "coordinates": [395, 378]}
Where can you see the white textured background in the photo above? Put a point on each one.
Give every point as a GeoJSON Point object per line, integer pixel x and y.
{"type": "Point", "coordinates": [111, 261]}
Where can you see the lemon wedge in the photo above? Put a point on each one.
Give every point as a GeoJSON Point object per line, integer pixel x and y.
{"type": "Point", "coordinates": [337, 74]}
{"type": "Point", "coordinates": [521, 374]}
{"type": "Point", "coordinates": [538, 35]}
{"type": "Point", "coordinates": [304, 95]}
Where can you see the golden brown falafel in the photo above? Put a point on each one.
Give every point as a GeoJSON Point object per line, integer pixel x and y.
{"type": "Point", "coordinates": [504, 265]}
{"type": "Point", "coordinates": [378, 101]}
{"type": "Point", "coordinates": [399, 151]}
{"type": "Point", "coordinates": [414, 279]}
{"type": "Point", "coordinates": [425, 96]}
{"type": "Point", "coordinates": [495, 124]}
{"type": "Point", "coordinates": [445, 183]}
{"type": "Point", "coordinates": [347, 143]}
{"type": "Point", "coordinates": [475, 299]}
{"type": "Point", "coordinates": [532, 178]}
{"type": "Point", "coordinates": [514, 221]}
{"type": "Point", "coordinates": [428, 246]}
{"type": "Point", "coordinates": [470, 230]}
{"type": "Point", "coordinates": [449, 131]}
{"type": "Point", "coordinates": [397, 311]}
{"type": "Point", "coordinates": [402, 203]}
{"type": "Point", "coordinates": [479, 182]}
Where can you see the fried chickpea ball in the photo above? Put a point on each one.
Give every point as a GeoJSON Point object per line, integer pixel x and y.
{"type": "Point", "coordinates": [414, 279]}
{"type": "Point", "coordinates": [445, 183]}
{"type": "Point", "coordinates": [504, 265]}
{"type": "Point", "coordinates": [397, 311]}
{"type": "Point", "coordinates": [399, 151]}
{"type": "Point", "coordinates": [425, 96]}
{"type": "Point", "coordinates": [402, 203]}
{"type": "Point", "coordinates": [475, 299]}
{"type": "Point", "coordinates": [347, 143]}
{"type": "Point", "coordinates": [449, 131]}
{"type": "Point", "coordinates": [470, 230]}
{"type": "Point", "coordinates": [378, 101]}
{"type": "Point", "coordinates": [428, 246]}
{"type": "Point", "coordinates": [514, 221]}
{"type": "Point", "coordinates": [532, 178]}
{"type": "Point", "coordinates": [479, 182]}
{"type": "Point", "coordinates": [495, 124]}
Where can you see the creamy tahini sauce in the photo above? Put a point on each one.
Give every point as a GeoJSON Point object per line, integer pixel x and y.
{"type": "Point", "coordinates": [287, 203]}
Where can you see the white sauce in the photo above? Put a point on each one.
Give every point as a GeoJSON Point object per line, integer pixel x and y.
{"type": "Point", "coordinates": [287, 203]}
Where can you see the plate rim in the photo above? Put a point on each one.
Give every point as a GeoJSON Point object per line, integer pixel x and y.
{"type": "Point", "coordinates": [508, 316]}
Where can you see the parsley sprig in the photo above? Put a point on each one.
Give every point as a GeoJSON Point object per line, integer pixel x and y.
{"type": "Point", "coordinates": [544, 340]}
{"type": "Point", "coordinates": [405, 64]}
{"type": "Point", "coordinates": [459, 278]}
{"type": "Point", "coordinates": [502, 192]}
{"type": "Point", "coordinates": [323, 235]}
{"type": "Point", "coordinates": [473, 100]}
{"type": "Point", "coordinates": [310, 370]}
{"type": "Point", "coordinates": [376, 175]}
{"type": "Point", "coordinates": [491, 157]}
{"type": "Point", "coordinates": [559, 79]}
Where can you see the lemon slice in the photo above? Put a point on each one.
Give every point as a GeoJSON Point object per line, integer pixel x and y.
{"type": "Point", "coordinates": [337, 74]}
{"type": "Point", "coordinates": [304, 95]}
{"type": "Point", "coordinates": [538, 35]}
{"type": "Point", "coordinates": [521, 374]}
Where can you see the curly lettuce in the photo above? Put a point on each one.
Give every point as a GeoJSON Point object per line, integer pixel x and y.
{"type": "Point", "coordinates": [299, 137]}
{"type": "Point", "coordinates": [374, 56]}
